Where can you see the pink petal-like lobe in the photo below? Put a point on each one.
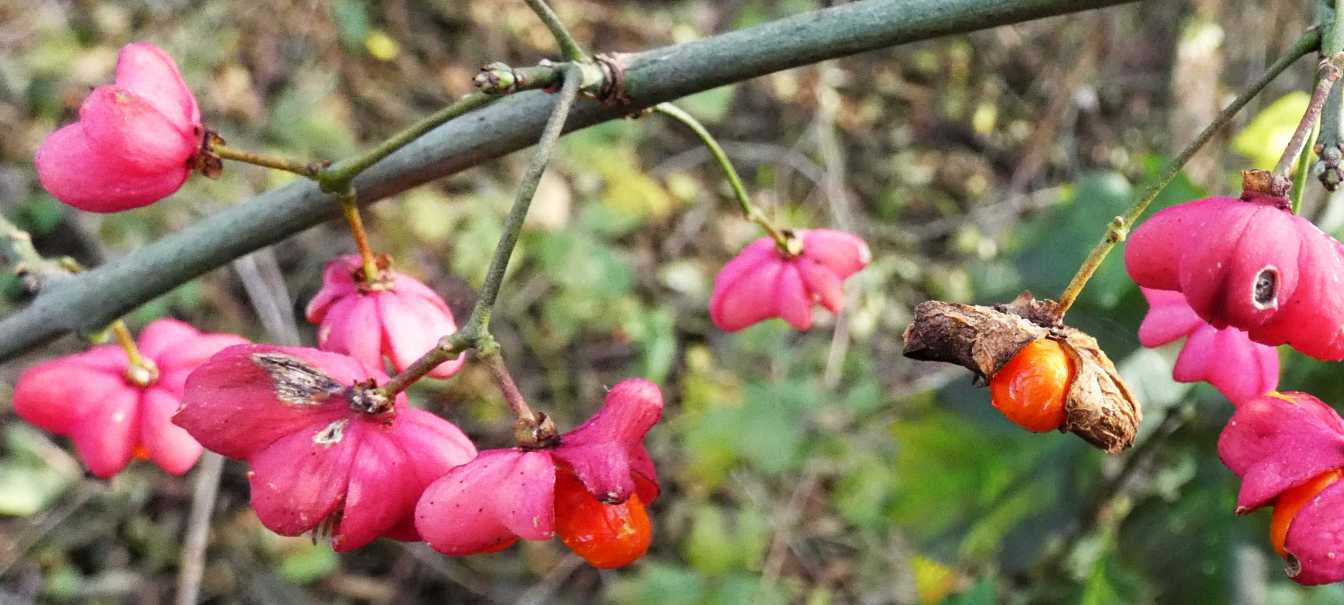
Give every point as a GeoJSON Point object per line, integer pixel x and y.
{"type": "Point", "coordinates": [148, 71]}
{"type": "Point", "coordinates": [119, 122]}
{"type": "Point", "coordinates": [761, 282]}
{"type": "Point", "coordinates": [73, 170]}
{"type": "Point", "coordinates": [400, 322]}
{"type": "Point", "coordinates": [57, 394]}
{"type": "Point", "coordinates": [1279, 441]}
{"type": "Point", "coordinates": [168, 445]}
{"type": "Point", "coordinates": [338, 282]}
{"type": "Point", "coordinates": [1316, 538]}
{"type": "Point", "coordinates": [1248, 264]}
{"type": "Point", "coordinates": [411, 327]}
{"type": "Point", "coordinates": [488, 502]}
{"type": "Point", "coordinates": [382, 491]}
{"type": "Point", "coordinates": [749, 298]}
{"type": "Point", "coordinates": [106, 437]}
{"type": "Point", "coordinates": [794, 304]}
{"type": "Point", "coordinates": [300, 479]}
{"type": "Point", "coordinates": [1239, 368]}
{"type": "Point", "coordinates": [843, 253]}
{"type": "Point", "coordinates": [1169, 319]}
{"type": "Point", "coordinates": [134, 140]}
{"type": "Point", "coordinates": [607, 451]}
{"type": "Point", "coordinates": [248, 396]}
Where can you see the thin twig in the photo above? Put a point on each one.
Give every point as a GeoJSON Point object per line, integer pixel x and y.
{"type": "Point", "coordinates": [337, 178]}
{"type": "Point", "coordinates": [275, 162]}
{"type": "Point", "coordinates": [749, 210]}
{"type": "Point", "coordinates": [527, 188]}
{"type": "Point", "coordinates": [204, 492]}
{"type": "Point", "coordinates": [18, 253]}
{"type": "Point", "coordinates": [503, 79]}
{"type": "Point", "coordinates": [512, 396]}
{"type": "Point", "coordinates": [1118, 229]}
{"type": "Point", "coordinates": [1330, 71]}
{"type": "Point", "coordinates": [478, 324]}
{"type": "Point", "coordinates": [569, 47]}
{"type": "Point", "coordinates": [1300, 181]}
{"type": "Point", "coordinates": [1329, 137]}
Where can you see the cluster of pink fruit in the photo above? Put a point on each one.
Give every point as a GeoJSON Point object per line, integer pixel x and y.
{"type": "Point", "coordinates": [1238, 277]}
{"type": "Point", "coordinates": [326, 453]}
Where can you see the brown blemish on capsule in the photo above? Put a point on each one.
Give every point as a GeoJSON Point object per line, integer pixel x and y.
{"type": "Point", "coordinates": [332, 434]}
{"type": "Point", "coordinates": [296, 382]}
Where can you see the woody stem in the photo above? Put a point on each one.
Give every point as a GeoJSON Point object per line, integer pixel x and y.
{"type": "Point", "coordinates": [749, 210]}
{"type": "Point", "coordinates": [1330, 71]}
{"type": "Point", "coordinates": [1118, 228]}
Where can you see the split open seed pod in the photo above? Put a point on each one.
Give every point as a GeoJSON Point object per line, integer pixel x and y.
{"type": "Point", "coordinates": [1098, 406]}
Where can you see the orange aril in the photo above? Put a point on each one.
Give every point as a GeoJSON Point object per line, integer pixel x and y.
{"type": "Point", "coordinates": [606, 535]}
{"type": "Point", "coordinates": [1291, 501]}
{"type": "Point", "coordinates": [1030, 389]}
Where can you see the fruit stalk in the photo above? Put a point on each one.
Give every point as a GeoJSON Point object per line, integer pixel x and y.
{"type": "Point", "coordinates": [1118, 228]}
{"type": "Point", "coordinates": [749, 210]}
{"type": "Point", "coordinates": [476, 330]}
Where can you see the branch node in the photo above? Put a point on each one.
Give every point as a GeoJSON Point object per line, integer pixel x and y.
{"type": "Point", "coordinates": [612, 91]}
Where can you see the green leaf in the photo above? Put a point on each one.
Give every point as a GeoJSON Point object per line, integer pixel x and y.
{"type": "Point", "coordinates": [658, 584]}
{"type": "Point", "coordinates": [352, 19]}
{"type": "Point", "coordinates": [983, 593]}
{"type": "Point", "coordinates": [655, 331]}
{"type": "Point", "coordinates": [309, 564]}
{"type": "Point", "coordinates": [27, 490]}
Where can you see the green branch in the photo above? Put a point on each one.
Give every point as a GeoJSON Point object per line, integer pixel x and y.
{"type": "Point", "coordinates": [514, 122]}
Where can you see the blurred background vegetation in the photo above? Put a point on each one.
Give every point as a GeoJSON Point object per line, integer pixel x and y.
{"type": "Point", "coordinates": [816, 468]}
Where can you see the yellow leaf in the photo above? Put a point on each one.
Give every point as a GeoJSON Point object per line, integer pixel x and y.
{"type": "Point", "coordinates": [381, 46]}
{"type": "Point", "coordinates": [1263, 140]}
{"type": "Point", "coordinates": [933, 580]}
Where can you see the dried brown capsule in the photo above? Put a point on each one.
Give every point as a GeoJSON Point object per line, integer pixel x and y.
{"type": "Point", "coordinates": [1098, 406]}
